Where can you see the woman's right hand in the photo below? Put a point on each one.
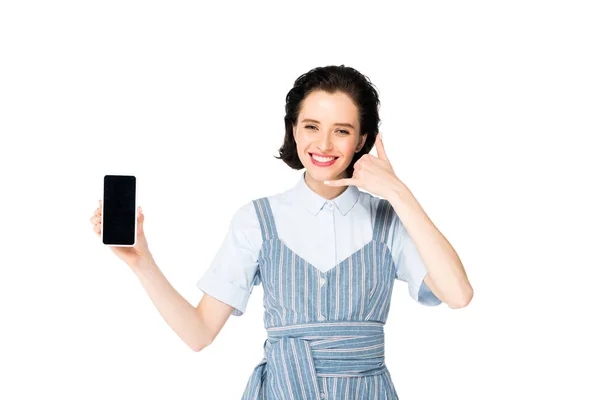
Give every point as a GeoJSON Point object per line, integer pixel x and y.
{"type": "Point", "coordinates": [132, 256]}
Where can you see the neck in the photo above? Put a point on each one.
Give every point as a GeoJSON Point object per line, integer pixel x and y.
{"type": "Point", "coordinates": [327, 192]}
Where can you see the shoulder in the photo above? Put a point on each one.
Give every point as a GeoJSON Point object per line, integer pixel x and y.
{"type": "Point", "coordinates": [388, 217]}
{"type": "Point", "coordinates": [244, 228]}
{"type": "Point", "coordinates": [246, 216]}
{"type": "Point", "coordinates": [247, 211]}
{"type": "Point", "coordinates": [371, 204]}
{"type": "Point", "coordinates": [366, 199]}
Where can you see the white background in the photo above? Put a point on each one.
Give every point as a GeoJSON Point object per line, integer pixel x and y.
{"type": "Point", "coordinates": [490, 112]}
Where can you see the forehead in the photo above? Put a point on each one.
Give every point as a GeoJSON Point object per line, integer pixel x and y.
{"type": "Point", "coordinates": [327, 107]}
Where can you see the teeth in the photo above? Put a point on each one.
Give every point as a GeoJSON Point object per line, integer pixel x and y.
{"type": "Point", "coordinates": [323, 159]}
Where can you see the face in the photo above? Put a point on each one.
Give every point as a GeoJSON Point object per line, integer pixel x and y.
{"type": "Point", "coordinates": [327, 135]}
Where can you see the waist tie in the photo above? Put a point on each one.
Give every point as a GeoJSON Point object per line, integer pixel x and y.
{"type": "Point", "coordinates": [295, 355]}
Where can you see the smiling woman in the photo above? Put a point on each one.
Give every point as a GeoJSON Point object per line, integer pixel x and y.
{"type": "Point", "coordinates": [331, 113]}
{"type": "Point", "coordinates": [324, 143]}
{"type": "Point", "coordinates": [327, 254]}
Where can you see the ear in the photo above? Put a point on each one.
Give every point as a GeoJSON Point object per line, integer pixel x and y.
{"type": "Point", "coordinates": [294, 132]}
{"type": "Point", "coordinates": [363, 139]}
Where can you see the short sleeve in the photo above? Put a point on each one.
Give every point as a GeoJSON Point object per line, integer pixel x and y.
{"type": "Point", "coordinates": [234, 272]}
{"type": "Point", "coordinates": [409, 265]}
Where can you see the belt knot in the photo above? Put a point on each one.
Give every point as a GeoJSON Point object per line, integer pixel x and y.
{"type": "Point", "coordinates": [295, 355]}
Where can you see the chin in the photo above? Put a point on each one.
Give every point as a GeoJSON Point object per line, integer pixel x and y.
{"type": "Point", "coordinates": [324, 175]}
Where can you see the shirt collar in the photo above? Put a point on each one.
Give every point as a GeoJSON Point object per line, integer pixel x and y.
{"type": "Point", "coordinates": [304, 195]}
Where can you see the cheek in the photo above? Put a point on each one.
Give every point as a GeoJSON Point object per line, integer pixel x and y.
{"type": "Point", "coordinates": [347, 148]}
{"type": "Point", "coordinates": [303, 142]}
{"type": "Point", "coordinates": [300, 144]}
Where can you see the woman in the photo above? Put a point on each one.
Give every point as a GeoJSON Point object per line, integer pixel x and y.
{"type": "Point", "coordinates": [326, 253]}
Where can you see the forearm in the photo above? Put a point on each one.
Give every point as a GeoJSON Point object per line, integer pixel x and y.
{"type": "Point", "coordinates": [179, 314]}
{"type": "Point", "coordinates": [441, 260]}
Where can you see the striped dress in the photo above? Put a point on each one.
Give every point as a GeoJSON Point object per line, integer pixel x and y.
{"type": "Point", "coordinates": [325, 337]}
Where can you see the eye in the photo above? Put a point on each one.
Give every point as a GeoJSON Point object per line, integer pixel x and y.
{"type": "Point", "coordinates": [312, 127]}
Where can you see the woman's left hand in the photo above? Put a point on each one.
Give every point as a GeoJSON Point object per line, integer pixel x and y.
{"type": "Point", "coordinates": [371, 173]}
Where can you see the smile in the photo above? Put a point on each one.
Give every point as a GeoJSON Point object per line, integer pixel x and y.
{"type": "Point", "coordinates": [322, 161]}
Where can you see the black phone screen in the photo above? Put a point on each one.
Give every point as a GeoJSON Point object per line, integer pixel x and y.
{"type": "Point", "coordinates": [119, 213]}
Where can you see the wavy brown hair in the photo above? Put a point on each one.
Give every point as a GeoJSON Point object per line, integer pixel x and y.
{"type": "Point", "coordinates": [332, 79]}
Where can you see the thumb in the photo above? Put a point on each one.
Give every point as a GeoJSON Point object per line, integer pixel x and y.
{"type": "Point", "coordinates": [140, 220]}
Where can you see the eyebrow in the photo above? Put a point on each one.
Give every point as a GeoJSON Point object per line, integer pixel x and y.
{"type": "Point", "coordinates": [337, 123]}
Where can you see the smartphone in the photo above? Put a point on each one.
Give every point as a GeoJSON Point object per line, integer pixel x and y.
{"type": "Point", "coordinates": [119, 211]}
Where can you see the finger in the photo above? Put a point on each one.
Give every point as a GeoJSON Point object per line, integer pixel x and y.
{"type": "Point", "coordinates": [340, 182]}
{"type": "Point", "coordinates": [379, 147]}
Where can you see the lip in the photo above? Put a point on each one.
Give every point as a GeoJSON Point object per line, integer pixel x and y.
{"type": "Point", "coordinates": [320, 164]}
{"type": "Point", "coordinates": [322, 155]}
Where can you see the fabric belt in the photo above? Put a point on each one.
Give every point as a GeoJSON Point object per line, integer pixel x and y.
{"type": "Point", "coordinates": [295, 355]}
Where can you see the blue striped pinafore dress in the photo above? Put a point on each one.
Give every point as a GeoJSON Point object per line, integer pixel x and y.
{"type": "Point", "coordinates": [325, 337]}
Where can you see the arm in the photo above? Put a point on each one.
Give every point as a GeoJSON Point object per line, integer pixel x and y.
{"type": "Point", "coordinates": [196, 326]}
{"type": "Point", "coordinates": [446, 276]}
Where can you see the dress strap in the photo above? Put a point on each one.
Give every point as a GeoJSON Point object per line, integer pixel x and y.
{"type": "Point", "coordinates": [265, 218]}
{"type": "Point", "coordinates": [383, 220]}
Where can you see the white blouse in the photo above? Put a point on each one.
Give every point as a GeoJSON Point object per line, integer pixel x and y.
{"type": "Point", "coordinates": [322, 232]}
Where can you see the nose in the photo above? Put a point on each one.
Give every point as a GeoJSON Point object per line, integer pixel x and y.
{"type": "Point", "coordinates": [325, 143]}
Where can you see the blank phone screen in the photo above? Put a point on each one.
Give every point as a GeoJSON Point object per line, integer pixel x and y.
{"type": "Point", "coordinates": [119, 214]}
